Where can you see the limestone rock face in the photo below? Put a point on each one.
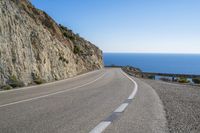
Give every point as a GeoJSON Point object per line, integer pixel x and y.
{"type": "Point", "coordinates": [34, 45]}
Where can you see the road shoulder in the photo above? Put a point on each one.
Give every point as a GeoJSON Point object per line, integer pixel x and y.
{"type": "Point", "coordinates": [182, 105]}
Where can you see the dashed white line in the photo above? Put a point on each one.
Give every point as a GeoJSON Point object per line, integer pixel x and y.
{"type": "Point", "coordinates": [101, 127]}
{"type": "Point", "coordinates": [121, 108]}
{"type": "Point", "coordinates": [51, 94]}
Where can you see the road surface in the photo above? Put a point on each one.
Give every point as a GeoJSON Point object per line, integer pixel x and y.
{"type": "Point", "coordinates": [101, 101]}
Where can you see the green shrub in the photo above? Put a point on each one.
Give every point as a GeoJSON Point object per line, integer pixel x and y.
{"type": "Point", "coordinates": [77, 50]}
{"type": "Point", "coordinates": [183, 80]}
{"type": "Point", "coordinates": [71, 37]}
{"type": "Point", "coordinates": [65, 34]}
{"type": "Point", "coordinates": [38, 80]}
{"type": "Point", "coordinates": [5, 87]}
{"type": "Point", "coordinates": [14, 82]}
{"type": "Point", "coordinates": [196, 80]}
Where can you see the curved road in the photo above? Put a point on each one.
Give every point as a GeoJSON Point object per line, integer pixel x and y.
{"type": "Point", "coordinates": [101, 101]}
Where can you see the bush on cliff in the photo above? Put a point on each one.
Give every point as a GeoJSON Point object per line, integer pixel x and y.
{"type": "Point", "coordinates": [77, 50]}
{"type": "Point", "coordinates": [5, 87]}
{"type": "Point", "coordinates": [37, 79]}
{"type": "Point", "coordinates": [196, 80]}
{"type": "Point", "coordinates": [14, 82]}
{"type": "Point", "coordinates": [71, 37]}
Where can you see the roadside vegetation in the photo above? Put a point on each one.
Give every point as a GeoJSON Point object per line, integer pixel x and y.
{"type": "Point", "coordinates": [196, 80]}
{"type": "Point", "coordinates": [175, 78]}
{"type": "Point", "coordinates": [183, 80]}
{"type": "Point", "coordinates": [5, 87]}
{"type": "Point", "coordinates": [38, 80]}
{"type": "Point", "coordinates": [14, 82]}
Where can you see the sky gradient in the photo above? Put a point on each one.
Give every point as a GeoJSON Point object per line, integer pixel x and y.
{"type": "Point", "coordinates": [146, 26]}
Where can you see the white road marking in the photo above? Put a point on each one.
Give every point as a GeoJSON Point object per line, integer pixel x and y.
{"type": "Point", "coordinates": [60, 81]}
{"type": "Point", "coordinates": [101, 127]}
{"type": "Point", "coordinates": [121, 108]}
{"type": "Point", "coordinates": [135, 88]}
{"type": "Point", "coordinates": [51, 94]}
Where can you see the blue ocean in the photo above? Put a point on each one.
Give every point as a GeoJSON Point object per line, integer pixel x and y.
{"type": "Point", "coordinates": [161, 63]}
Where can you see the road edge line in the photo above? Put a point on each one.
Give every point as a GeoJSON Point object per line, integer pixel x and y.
{"type": "Point", "coordinates": [49, 83]}
{"type": "Point", "coordinates": [51, 94]}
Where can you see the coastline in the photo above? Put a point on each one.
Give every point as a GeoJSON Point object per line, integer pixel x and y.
{"type": "Point", "coordinates": [167, 77]}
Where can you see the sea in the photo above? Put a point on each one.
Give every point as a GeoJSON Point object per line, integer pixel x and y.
{"type": "Point", "coordinates": [159, 63]}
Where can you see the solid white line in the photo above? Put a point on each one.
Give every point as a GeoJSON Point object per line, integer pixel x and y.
{"type": "Point", "coordinates": [46, 84]}
{"type": "Point", "coordinates": [121, 108]}
{"type": "Point", "coordinates": [101, 127]}
{"type": "Point", "coordinates": [51, 94]}
{"type": "Point", "coordinates": [135, 88]}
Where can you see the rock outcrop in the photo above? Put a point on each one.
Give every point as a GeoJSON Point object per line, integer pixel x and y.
{"type": "Point", "coordinates": [33, 46]}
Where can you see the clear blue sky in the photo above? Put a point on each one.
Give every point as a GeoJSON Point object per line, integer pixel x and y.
{"type": "Point", "coordinates": [169, 26]}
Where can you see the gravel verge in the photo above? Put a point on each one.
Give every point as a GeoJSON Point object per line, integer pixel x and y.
{"type": "Point", "coordinates": [182, 105]}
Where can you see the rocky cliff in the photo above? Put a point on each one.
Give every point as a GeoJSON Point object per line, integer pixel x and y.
{"type": "Point", "coordinates": [34, 47]}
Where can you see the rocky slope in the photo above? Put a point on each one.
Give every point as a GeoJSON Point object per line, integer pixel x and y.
{"type": "Point", "coordinates": [34, 47]}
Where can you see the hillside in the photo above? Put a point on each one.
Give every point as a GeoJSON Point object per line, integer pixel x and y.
{"type": "Point", "coordinates": [34, 47]}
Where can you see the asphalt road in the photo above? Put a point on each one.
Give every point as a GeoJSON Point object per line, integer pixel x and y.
{"type": "Point", "coordinates": [101, 101]}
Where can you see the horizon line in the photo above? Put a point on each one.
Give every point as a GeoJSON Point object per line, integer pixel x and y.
{"type": "Point", "coordinates": [147, 53]}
